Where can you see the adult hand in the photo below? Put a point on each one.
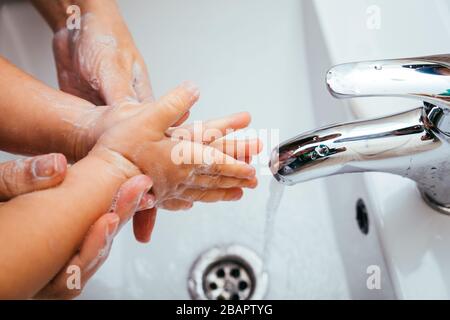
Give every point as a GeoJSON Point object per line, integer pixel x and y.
{"type": "Point", "coordinates": [31, 174]}
{"type": "Point", "coordinates": [131, 197]}
{"type": "Point", "coordinates": [26, 175]}
{"type": "Point", "coordinates": [100, 62]}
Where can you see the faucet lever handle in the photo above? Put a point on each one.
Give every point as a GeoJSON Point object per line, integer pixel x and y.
{"type": "Point", "coordinates": [424, 78]}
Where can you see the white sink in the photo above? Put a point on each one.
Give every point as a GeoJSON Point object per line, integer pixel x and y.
{"type": "Point", "coordinates": [269, 59]}
{"type": "Point", "coordinates": [413, 236]}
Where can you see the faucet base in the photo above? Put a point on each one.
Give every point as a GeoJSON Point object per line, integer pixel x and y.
{"type": "Point", "coordinates": [433, 204]}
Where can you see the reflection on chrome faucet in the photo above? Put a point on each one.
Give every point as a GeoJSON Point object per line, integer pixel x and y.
{"type": "Point", "coordinates": [413, 144]}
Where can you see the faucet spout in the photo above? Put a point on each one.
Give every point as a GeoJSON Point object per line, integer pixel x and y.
{"type": "Point", "coordinates": [413, 144]}
{"type": "Point", "coordinates": [409, 144]}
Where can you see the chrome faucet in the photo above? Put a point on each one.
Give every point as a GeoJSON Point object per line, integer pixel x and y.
{"type": "Point", "coordinates": [413, 144]}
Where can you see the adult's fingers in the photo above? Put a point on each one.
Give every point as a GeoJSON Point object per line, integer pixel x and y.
{"type": "Point", "coordinates": [31, 174]}
{"type": "Point", "coordinates": [97, 243]}
{"type": "Point", "coordinates": [115, 83]}
{"type": "Point", "coordinates": [141, 83]}
{"type": "Point", "coordinates": [135, 201]}
{"type": "Point", "coordinates": [129, 197]}
{"type": "Point", "coordinates": [143, 224]}
{"type": "Point", "coordinates": [93, 252]}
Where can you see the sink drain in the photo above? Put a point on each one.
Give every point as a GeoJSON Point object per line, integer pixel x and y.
{"type": "Point", "coordinates": [228, 273]}
{"type": "Point", "coordinates": [228, 280]}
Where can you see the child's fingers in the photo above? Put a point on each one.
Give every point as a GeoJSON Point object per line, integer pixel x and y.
{"type": "Point", "coordinates": [176, 204]}
{"type": "Point", "coordinates": [143, 224]}
{"type": "Point", "coordinates": [214, 129]}
{"type": "Point", "coordinates": [206, 181]}
{"type": "Point", "coordinates": [171, 107]}
{"type": "Point", "coordinates": [218, 163]}
{"type": "Point", "coordinates": [180, 121]}
{"type": "Point", "coordinates": [238, 148]}
{"type": "Point", "coordinates": [26, 175]}
{"type": "Point", "coordinates": [212, 195]}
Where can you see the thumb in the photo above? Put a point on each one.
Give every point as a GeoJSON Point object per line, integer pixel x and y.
{"type": "Point", "coordinates": [171, 107]}
{"type": "Point", "coordinates": [31, 174]}
{"type": "Point", "coordinates": [129, 197]}
{"type": "Point", "coordinates": [116, 87]}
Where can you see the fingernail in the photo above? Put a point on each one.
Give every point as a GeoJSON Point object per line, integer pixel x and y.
{"type": "Point", "coordinates": [112, 225]}
{"type": "Point", "coordinates": [150, 203]}
{"type": "Point", "coordinates": [45, 166]}
{"type": "Point", "coordinates": [189, 86]}
{"type": "Point", "coordinates": [147, 202]}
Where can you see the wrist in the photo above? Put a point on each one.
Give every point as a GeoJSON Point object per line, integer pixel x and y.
{"type": "Point", "coordinates": [93, 123]}
{"type": "Point", "coordinates": [56, 12]}
{"type": "Point", "coordinates": [118, 165]}
{"type": "Point", "coordinates": [85, 133]}
{"type": "Point", "coordinates": [103, 12]}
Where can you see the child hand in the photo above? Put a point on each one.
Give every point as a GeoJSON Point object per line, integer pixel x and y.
{"type": "Point", "coordinates": [213, 133]}
{"type": "Point", "coordinates": [142, 139]}
{"type": "Point", "coordinates": [102, 118]}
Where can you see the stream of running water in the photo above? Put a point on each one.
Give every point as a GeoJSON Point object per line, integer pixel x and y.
{"type": "Point", "coordinates": [273, 203]}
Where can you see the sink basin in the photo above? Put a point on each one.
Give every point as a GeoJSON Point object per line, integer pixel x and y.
{"type": "Point", "coordinates": [270, 60]}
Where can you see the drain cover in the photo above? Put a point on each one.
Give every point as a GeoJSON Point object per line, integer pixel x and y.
{"type": "Point", "coordinates": [228, 273]}
{"type": "Point", "coordinates": [228, 280]}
